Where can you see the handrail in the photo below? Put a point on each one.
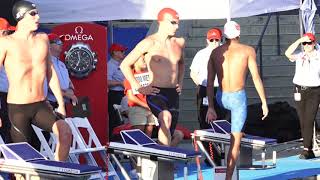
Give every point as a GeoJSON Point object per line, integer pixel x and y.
{"type": "Point", "coordinates": [259, 45]}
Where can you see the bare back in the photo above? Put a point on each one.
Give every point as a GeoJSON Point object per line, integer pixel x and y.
{"type": "Point", "coordinates": [26, 67]}
{"type": "Point", "coordinates": [231, 64]}
{"type": "Point", "coordinates": [163, 61]}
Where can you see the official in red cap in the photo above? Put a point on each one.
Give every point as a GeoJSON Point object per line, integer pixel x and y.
{"type": "Point", "coordinates": [66, 85]}
{"type": "Point", "coordinates": [5, 27]}
{"type": "Point", "coordinates": [199, 73]}
{"type": "Point", "coordinates": [115, 83]}
{"type": "Point", "coordinates": [307, 87]}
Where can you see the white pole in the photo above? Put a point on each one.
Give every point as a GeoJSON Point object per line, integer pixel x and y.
{"type": "Point", "coordinates": [229, 10]}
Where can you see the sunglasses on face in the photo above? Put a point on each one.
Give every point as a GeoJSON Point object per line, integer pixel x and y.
{"type": "Point", "coordinates": [6, 32]}
{"type": "Point", "coordinates": [57, 42]}
{"type": "Point", "coordinates": [33, 13]}
{"type": "Point", "coordinates": [214, 40]}
{"type": "Point", "coordinates": [305, 43]}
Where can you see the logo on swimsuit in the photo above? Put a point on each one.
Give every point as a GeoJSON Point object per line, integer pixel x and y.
{"type": "Point", "coordinates": [79, 35]}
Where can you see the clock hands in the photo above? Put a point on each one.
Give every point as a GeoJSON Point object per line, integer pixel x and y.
{"type": "Point", "coordinates": [79, 58]}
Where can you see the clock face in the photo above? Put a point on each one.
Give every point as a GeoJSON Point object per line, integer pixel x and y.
{"type": "Point", "coordinates": [80, 61]}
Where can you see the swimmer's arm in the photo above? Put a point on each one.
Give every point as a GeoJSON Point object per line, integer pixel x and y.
{"type": "Point", "coordinates": [181, 64]}
{"type": "Point", "coordinates": [253, 68]}
{"type": "Point", "coordinates": [290, 51]}
{"type": "Point", "coordinates": [132, 57]}
{"type": "Point", "coordinates": [3, 51]}
{"type": "Point", "coordinates": [210, 80]}
{"type": "Point", "coordinates": [53, 82]}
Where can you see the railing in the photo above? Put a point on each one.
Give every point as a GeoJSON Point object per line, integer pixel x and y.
{"type": "Point", "coordinates": [259, 45]}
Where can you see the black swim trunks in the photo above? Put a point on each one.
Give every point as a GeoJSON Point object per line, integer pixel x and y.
{"type": "Point", "coordinates": [166, 99]}
{"type": "Point", "coordinates": [22, 116]}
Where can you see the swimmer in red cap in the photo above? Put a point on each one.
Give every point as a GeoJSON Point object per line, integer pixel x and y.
{"type": "Point", "coordinates": [26, 57]}
{"type": "Point", "coordinates": [231, 62]}
{"type": "Point", "coordinates": [163, 54]}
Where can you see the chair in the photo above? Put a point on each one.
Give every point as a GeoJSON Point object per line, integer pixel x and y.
{"type": "Point", "coordinates": [87, 146]}
{"type": "Point", "coordinates": [117, 107]}
{"type": "Point", "coordinates": [78, 147]}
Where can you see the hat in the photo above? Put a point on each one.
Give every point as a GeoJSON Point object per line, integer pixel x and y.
{"type": "Point", "coordinates": [54, 37]}
{"type": "Point", "coordinates": [169, 11]}
{"type": "Point", "coordinates": [117, 47]}
{"type": "Point", "coordinates": [311, 36]}
{"type": "Point", "coordinates": [214, 33]}
{"type": "Point", "coordinates": [4, 25]}
{"type": "Point", "coordinates": [231, 30]}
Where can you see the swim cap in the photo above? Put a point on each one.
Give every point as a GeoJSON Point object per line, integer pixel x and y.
{"type": "Point", "coordinates": [169, 11]}
{"type": "Point", "coordinates": [20, 8]}
{"type": "Point", "coordinates": [231, 30]}
{"type": "Point", "coordinates": [310, 36]}
{"type": "Point", "coordinates": [214, 33]}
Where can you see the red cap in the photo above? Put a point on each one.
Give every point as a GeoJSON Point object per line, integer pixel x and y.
{"type": "Point", "coordinates": [117, 47]}
{"type": "Point", "coordinates": [310, 36]}
{"type": "Point", "coordinates": [169, 11]}
{"type": "Point", "coordinates": [214, 33]}
{"type": "Point", "coordinates": [4, 25]}
{"type": "Point", "coordinates": [53, 37]}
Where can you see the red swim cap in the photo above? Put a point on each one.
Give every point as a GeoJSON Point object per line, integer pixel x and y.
{"type": "Point", "coordinates": [169, 11]}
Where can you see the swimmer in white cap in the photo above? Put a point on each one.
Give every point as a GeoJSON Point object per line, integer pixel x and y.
{"type": "Point", "coordinates": [230, 63]}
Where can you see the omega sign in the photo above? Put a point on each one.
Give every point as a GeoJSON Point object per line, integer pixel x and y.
{"type": "Point", "coordinates": [79, 35]}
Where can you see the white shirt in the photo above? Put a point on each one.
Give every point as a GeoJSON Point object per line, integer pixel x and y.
{"type": "Point", "coordinates": [200, 66]}
{"type": "Point", "coordinates": [63, 76]}
{"type": "Point", "coordinates": [307, 70]}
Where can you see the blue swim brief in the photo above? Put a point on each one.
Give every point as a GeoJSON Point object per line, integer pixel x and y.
{"type": "Point", "coordinates": [236, 102]}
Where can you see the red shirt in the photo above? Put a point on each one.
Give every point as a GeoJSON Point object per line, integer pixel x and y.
{"type": "Point", "coordinates": [143, 79]}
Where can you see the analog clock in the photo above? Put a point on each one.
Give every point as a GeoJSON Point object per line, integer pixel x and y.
{"type": "Point", "coordinates": [80, 60]}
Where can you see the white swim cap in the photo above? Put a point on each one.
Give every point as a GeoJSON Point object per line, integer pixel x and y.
{"type": "Point", "coordinates": [231, 30]}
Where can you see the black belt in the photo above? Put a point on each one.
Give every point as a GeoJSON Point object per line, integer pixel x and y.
{"type": "Point", "coordinates": [307, 87]}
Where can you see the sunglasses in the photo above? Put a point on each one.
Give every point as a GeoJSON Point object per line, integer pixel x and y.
{"type": "Point", "coordinates": [6, 32]}
{"type": "Point", "coordinates": [309, 43]}
{"type": "Point", "coordinates": [216, 40]}
{"type": "Point", "coordinates": [57, 42]}
{"type": "Point", "coordinates": [33, 13]}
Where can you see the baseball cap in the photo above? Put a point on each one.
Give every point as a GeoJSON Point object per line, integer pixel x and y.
{"type": "Point", "coordinates": [173, 13]}
{"type": "Point", "coordinates": [117, 47]}
{"type": "Point", "coordinates": [54, 38]}
{"type": "Point", "coordinates": [231, 30]}
{"type": "Point", "coordinates": [4, 25]}
{"type": "Point", "coordinates": [214, 33]}
{"type": "Point", "coordinates": [311, 36]}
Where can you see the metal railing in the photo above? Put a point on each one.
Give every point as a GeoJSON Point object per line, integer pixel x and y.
{"type": "Point", "coordinates": [259, 45]}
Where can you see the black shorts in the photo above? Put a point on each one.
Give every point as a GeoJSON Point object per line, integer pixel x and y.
{"type": "Point", "coordinates": [166, 99]}
{"type": "Point", "coordinates": [22, 116]}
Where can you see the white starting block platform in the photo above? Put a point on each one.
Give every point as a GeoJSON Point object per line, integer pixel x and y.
{"type": "Point", "coordinates": [220, 134]}
{"type": "Point", "coordinates": [155, 159]}
{"type": "Point", "coordinates": [21, 158]}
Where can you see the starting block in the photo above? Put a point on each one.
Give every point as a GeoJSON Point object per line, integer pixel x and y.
{"type": "Point", "coordinates": [220, 134]}
{"type": "Point", "coordinates": [156, 159]}
{"type": "Point", "coordinates": [21, 158]}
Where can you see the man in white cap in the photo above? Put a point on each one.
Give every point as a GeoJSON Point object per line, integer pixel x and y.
{"type": "Point", "coordinates": [230, 63]}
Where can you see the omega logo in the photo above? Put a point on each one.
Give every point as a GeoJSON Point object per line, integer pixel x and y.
{"type": "Point", "coordinates": [79, 35]}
